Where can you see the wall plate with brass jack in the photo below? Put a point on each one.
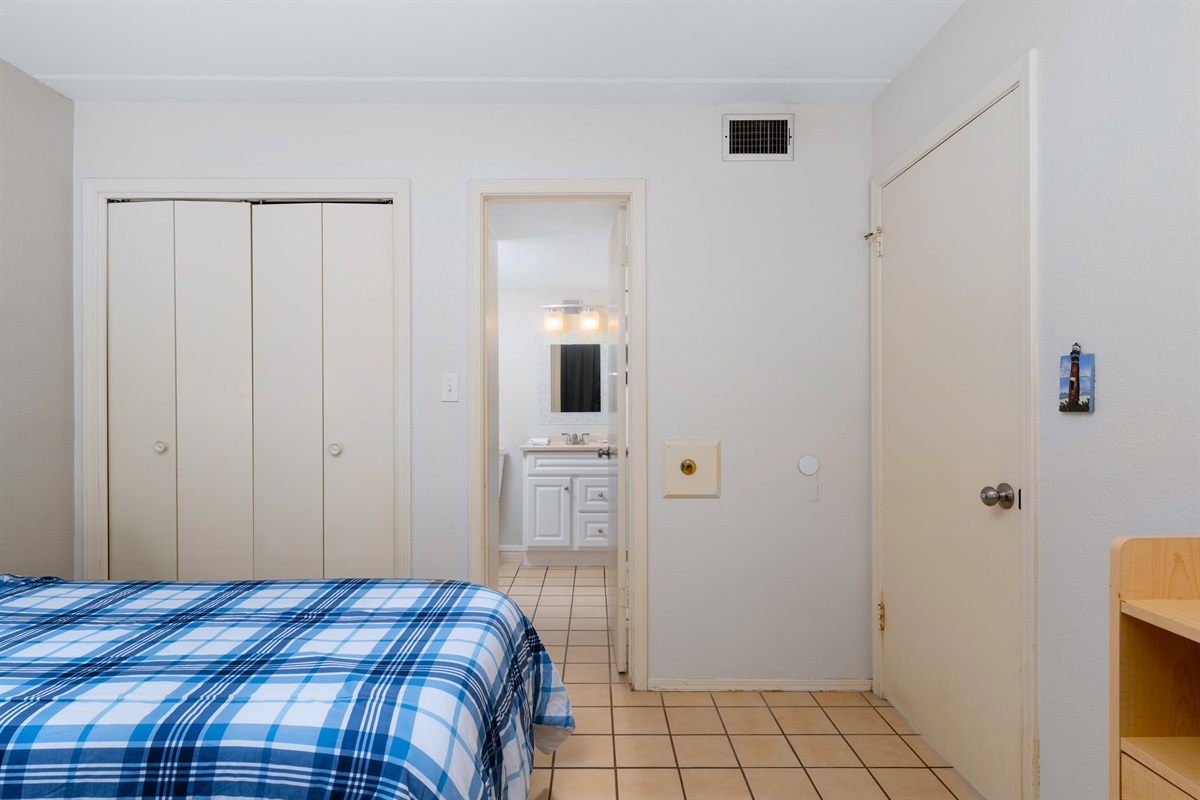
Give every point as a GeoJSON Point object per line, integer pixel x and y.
{"type": "Point", "coordinates": [691, 468]}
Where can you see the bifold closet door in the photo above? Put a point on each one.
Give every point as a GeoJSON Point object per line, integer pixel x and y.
{"type": "Point", "coordinates": [141, 391]}
{"type": "Point", "coordinates": [359, 390]}
{"type": "Point", "coordinates": [214, 381]}
{"type": "Point", "coordinates": [288, 414]}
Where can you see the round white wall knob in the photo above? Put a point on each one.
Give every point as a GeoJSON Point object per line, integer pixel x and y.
{"type": "Point", "coordinates": [808, 465]}
{"type": "Point", "coordinates": [160, 447]}
{"type": "Point", "coordinates": [335, 449]}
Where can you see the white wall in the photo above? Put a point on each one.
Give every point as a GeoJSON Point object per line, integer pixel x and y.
{"type": "Point", "coordinates": [1119, 201]}
{"type": "Point", "coordinates": [37, 506]}
{"type": "Point", "coordinates": [757, 335]}
{"type": "Point", "coordinates": [520, 330]}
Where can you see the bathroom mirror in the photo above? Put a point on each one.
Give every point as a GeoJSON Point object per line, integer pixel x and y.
{"type": "Point", "coordinates": [572, 385]}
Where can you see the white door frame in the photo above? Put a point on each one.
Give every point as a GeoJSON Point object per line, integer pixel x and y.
{"type": "Point", "coordinates": [1016, 79]}
{"type": "Point", "coordinates": [482, 395]}
{"type": "Point", "coordinates": [94, 353]}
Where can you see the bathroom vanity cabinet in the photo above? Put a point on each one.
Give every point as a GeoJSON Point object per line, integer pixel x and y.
{"type": "Point", "coordinates": [568, 498]}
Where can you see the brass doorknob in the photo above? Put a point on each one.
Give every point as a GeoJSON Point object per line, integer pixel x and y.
{"type": "Point", "coordinates": [687, 466]}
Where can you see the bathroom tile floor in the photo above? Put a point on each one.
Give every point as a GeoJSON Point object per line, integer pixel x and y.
{"type": "Point", "coordinates": [708, 745]}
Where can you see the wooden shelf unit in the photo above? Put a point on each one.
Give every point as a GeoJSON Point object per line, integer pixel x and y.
{"type": "Point", "coordinates": [1154, 675]}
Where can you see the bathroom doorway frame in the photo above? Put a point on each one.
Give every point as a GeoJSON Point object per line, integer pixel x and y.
{"type": "Point", "coordinates": [483, 396]}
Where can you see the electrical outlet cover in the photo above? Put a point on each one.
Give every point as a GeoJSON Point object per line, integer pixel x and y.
{"type": "Point", "coordinates": [704, 480]}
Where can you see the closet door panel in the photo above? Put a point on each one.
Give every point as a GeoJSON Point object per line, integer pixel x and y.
{"type": "Point", "coordinates": [141, 391]}
{"type": "Point", "coordinates": [359, 346]}
{"type": "Point", "coordinates": [288, 421]}
{"type": "Point", "coordinates": [214, 382]}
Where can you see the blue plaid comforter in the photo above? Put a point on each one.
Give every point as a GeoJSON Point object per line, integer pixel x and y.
{"type": "Point", "coordinates": [271, 689]}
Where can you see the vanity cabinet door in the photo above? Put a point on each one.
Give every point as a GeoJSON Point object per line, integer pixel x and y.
{"type": "Point", "coordinates": [548, 512]}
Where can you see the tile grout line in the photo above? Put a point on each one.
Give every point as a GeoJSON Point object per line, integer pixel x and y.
{"type": "Point", "coordinates": [612, 712]}
{"type": "Point", "coordinates": [847, 741]}
{"type": "Point", "coordinates": [729, 740]}
{"type": "Point", "coordinates": [793, 747]}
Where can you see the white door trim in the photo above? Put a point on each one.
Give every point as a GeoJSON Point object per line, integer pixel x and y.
{"type": "Point", "coordinates": [1016, 79]}
{"type": "Point", "coordinates": [96, 195]}
{"type": "Point", "coordinates": [482, 315]}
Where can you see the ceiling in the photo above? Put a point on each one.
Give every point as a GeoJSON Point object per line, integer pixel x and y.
{"type": "Point", "coordinates": [552, 245]}
{"type": "Point", "coordinates": [469, 51]}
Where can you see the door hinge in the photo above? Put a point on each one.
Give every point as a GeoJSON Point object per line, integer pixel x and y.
{"type": "Point", "coordinates": [882, 615]}
{"type": "Point", "coordinates": [876, 236]}
{"type": "Point", "coordinates": [623, 597]}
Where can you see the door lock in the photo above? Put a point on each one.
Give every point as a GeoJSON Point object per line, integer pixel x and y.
{"type": "Point", "coordinates": [1002, 495]}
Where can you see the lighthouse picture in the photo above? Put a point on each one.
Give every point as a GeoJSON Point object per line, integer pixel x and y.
{"type": "Point", "coordinates": [1076, 382]}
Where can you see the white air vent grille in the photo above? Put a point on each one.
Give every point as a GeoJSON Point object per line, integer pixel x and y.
{"type": "Point", "coordinates": [757, 137]}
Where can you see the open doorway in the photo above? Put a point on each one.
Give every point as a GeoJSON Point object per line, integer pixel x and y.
{"type": "Point", "coordinates": [557, 390]}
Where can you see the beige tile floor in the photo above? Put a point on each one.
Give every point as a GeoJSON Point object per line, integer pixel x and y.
{"type": "Point", "coordinates": [708, 745]}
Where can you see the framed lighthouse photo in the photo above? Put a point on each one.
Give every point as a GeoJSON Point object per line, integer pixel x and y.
{"type": "Point", "coordinates": [1077, 382]}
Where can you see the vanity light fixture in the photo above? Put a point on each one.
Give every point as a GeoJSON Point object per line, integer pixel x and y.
{"type": "Point", "coordinates": [552, 318]}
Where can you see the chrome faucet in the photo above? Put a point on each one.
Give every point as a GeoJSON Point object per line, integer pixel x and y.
{"type": "Point", "coordinates": [583, 438]}
{"type": "Point", "coordinates": [570, 438]}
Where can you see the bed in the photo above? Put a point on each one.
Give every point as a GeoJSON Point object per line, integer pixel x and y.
{"type": "Point", "coordinates": [390, 689]}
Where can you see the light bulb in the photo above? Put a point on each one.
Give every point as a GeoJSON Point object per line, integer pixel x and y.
{"type": "Point", "coordinates": [589, 319]}
{"type": "Point", "coordinates": [553, 319]}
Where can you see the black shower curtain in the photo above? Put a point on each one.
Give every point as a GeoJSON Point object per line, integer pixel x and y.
{"type": "Point", "coordinates": [579, 367]}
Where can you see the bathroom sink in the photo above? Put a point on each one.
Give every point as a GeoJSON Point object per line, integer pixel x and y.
{"type": "Point", "coordinates": [558, 444]}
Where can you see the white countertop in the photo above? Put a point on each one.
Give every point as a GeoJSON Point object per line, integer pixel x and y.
{"type": "Point", "coordinates": [559, 447]}
{"type": "Point", "coordinates": [562, 447]}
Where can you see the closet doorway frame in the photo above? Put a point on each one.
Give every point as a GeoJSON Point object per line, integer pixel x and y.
{"type": "Point", "coordinates": [482, 392]}
{"type": "Point", "coordinates": [96, 195]}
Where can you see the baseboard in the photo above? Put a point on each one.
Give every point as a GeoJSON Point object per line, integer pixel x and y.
{"type": "Point", "coordinates": [758, 685]}
{"type": "Point", "coordinates": [553, 557]}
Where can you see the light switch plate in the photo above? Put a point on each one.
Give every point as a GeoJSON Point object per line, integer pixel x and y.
{"type": "Point", "coordinates": [449, 387]}
{"type": "Point", "coordinates": [705, 481]}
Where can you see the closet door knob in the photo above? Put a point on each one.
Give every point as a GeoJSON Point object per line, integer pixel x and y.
{"type": "Point", "coordinates": [335, 449]}
{"type": "Point", "coordinates": [160, 446]}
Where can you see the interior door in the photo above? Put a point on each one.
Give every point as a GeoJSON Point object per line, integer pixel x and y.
{"type": "Point", "coordinates": [954, 313]}
{"type": "Point", "coordinates": [359, 391]}
{"type": "Point", "coordinates": [214, 383]}
{"type": "Point", "coordinates": [142, 510]}
{"type": "Point", "coordinates": [289, 461]}
{"type": "Point", "coordinates": [617, 582]}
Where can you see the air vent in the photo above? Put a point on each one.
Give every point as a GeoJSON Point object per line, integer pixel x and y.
{"type": "Point", "coordinates": [758, 137]}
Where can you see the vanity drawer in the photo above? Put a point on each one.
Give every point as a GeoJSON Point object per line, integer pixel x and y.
{"type": "Point", "coordinates": [593, 531]}
{"type": "Point", "coordinates": [586, 463]}
{"type": "Point", "coordinates": [592, 494]}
